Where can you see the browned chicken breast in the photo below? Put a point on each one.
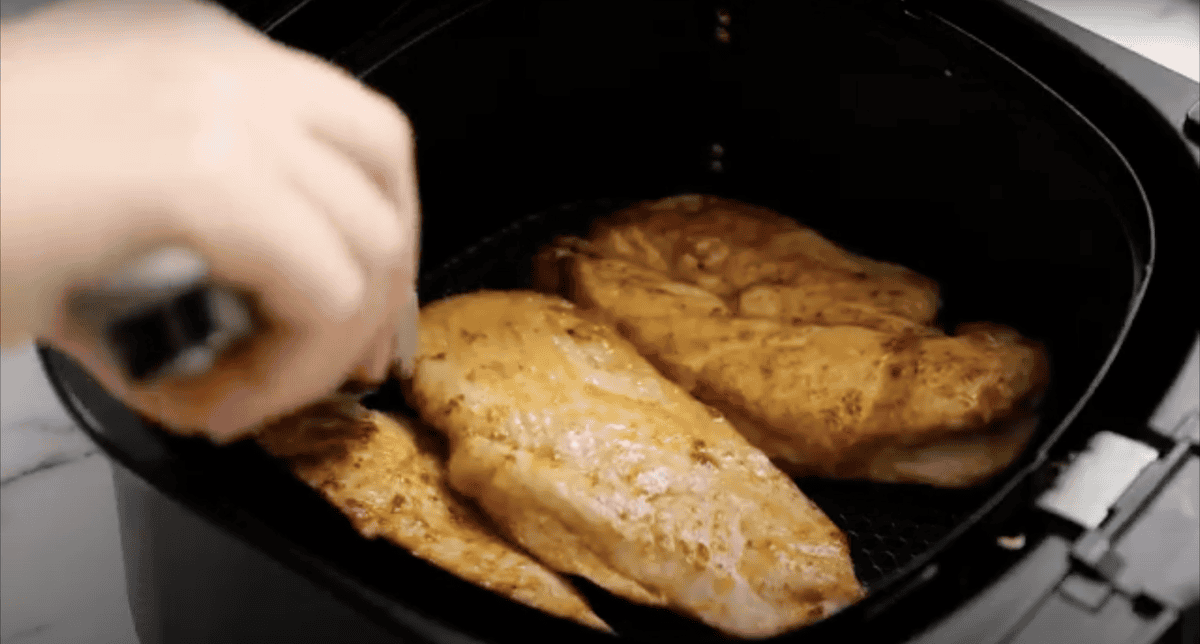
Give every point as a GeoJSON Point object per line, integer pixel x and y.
{"type": "Point", "coordinates": [865, 390]}
{"type": "Point", "coordinates": [601, 467]}
{"type": "Point", "coordinates": [765, 265]}
{"type": "Point", "coordinates": [388, 476]}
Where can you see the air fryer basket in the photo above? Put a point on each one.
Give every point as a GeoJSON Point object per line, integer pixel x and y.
{"type": "Point", "coordinates": [888, 525]}
{"type": "Point", "coordinates": [899, 138]}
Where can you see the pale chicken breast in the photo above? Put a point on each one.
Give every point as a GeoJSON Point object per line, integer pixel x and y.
{"type": "Point", "coordinates": [885, 397]}
{"type": "Point", "coordinates": [388, 476]}
{"type": "Point", "coordinates": [599, 466]}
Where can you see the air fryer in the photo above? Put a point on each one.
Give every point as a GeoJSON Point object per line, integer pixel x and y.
{"type": "Point", "coordinates": [1041, 175]}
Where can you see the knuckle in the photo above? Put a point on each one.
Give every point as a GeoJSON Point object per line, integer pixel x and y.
{"type": "Point", "coordinates": [354, 295]}
{"type": "Point", "coordinates": [219, 155]}
{"type": "Point", "coordinates": [390, 245]}
{"type": "Point", "coordinates": [400, 132]}
{"type": "Point", "coordinates": [348, 303]}
{"type": "Point", "coordinates": [403, 124]}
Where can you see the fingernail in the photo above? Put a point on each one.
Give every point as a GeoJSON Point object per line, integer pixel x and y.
{"type": "Point", "coordinates": [381, 362]}
{"type": "Point", "coordinates": [348, 297]}
{"type": "Point", "coordinates": [407, 336]}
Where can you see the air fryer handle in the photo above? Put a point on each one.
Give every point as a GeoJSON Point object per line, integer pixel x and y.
{"type": "Point", "coordinates": [163, 316]}
{"type": "Point", "coordinates": [1128, 580]}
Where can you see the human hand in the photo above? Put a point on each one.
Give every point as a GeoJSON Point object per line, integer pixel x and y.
{"type": "Point", "coordinates": [129, 125]}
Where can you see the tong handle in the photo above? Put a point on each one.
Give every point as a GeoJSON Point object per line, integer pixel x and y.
{"type": "Point", "coordinates": [163, 316]}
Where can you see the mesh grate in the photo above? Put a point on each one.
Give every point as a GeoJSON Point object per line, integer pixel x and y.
{"type": "Point", "coordinates": [888, 525]}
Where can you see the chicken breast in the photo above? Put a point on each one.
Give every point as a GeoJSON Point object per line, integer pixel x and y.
{"type": "Point", "coordinates": [884, 396]}
{"type": "Point", "coordinates": [599, 466]}
{"type": "Point", "coordinates": [388, 476]}
{"type": "Point", "coordinates": [764, 265]}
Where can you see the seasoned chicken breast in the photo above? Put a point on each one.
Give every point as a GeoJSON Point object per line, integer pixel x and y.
{"type": "Point", "coordinates": [762, 264]}
{"type": "Point", "coordinates": [882, 395]}
{"type": "Point", "coordinates": [388, 476]}
{"type": "Point", "coordinates": [599, 466]}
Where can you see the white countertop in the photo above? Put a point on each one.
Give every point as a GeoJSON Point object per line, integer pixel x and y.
{"type": "Point", "coordinates": [1165, 31]}
{"type": "Point", "coordinates": [62, 578]}
{"type": "Point", "coordinates": [61, 571]}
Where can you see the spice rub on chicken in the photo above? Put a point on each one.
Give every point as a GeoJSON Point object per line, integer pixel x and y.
{"type": "Point", "coordinates": [828, 361]}
{"type": "Point", "coordinates": [388, 476]}
{"type": "Point", "coordinates": [600, 467]}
